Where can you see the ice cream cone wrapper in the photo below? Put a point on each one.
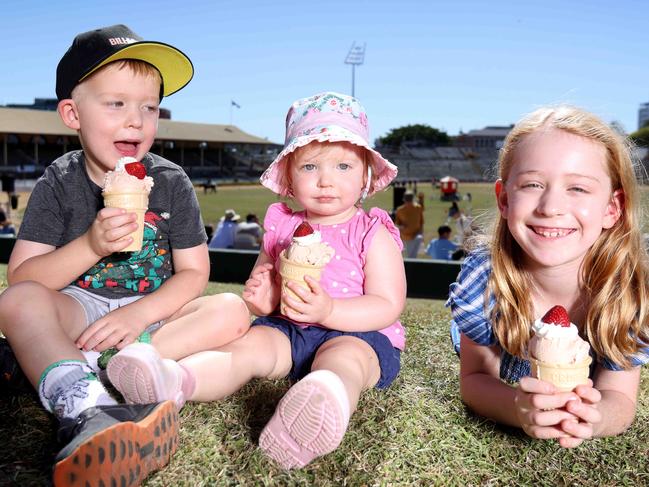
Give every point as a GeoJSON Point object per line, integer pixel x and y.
{"type": "Point", "coordinates": [292, 271]}
{"type": "Point", "coordinates": [565, 377]}
{"type": "Point", "coordinates": [133, 203]}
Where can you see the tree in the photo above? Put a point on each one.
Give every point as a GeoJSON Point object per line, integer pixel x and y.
{"type": "Point", "coordinates": [414, 133]}
{"type": "Point", "coordinates": [641, 136]}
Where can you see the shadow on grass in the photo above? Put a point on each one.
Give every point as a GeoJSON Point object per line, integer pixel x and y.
{"type": "Point", "coordinates": [257, 404]}
{"type": "Point", "coordinates": [28, 439]}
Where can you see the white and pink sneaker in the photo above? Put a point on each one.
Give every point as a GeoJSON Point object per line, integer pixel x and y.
{"type": "Point", "coordinates": [309, 421]}
{"type": "Point", "coordinates": [142, 376]}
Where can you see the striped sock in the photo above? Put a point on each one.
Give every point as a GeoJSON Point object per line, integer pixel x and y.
{"type": "Point", "coordinates": [68, 387]}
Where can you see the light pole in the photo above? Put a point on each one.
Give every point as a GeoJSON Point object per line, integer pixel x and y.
{"type": "Point", "coordinates": [202, 146]}
{"type": "Point", "coordinates": [355, 57]}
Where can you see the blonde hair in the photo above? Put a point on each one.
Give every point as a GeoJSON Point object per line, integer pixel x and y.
{"type": "Point", "coordinates": [614, 271]}
{"type": "Point", "coordinates": [136, 66]}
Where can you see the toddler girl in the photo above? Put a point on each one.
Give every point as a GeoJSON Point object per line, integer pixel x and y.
{"type": "Point", "coordinates": [340, 336]}
{"type": "Point", "coordinates": [568, 234]}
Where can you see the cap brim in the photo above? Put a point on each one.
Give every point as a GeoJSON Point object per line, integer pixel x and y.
{"type": "Point", "coordinates": [174, 66]}
{"type": "Point", "coordinates": [384, 170]}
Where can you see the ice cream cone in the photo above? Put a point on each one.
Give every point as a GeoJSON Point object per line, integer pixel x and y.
{"type": "Point", "coordinates": [295, 272]}
{"type": "Point", "coordinates": [564, 376]}
{"type": "Point", "coordinates": [133, 203]}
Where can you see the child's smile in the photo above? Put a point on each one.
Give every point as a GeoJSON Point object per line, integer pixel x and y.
{"type": "Point", "coordinates": [547, 232]}
{"type": "Point", "coordinates": [558, 197]}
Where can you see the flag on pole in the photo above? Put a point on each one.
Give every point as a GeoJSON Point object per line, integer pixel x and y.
{"type": "Point", "coordinates": [235, 104]}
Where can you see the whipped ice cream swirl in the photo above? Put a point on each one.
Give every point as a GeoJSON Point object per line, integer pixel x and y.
{"type": "Point", "coordinates": [557, 344]}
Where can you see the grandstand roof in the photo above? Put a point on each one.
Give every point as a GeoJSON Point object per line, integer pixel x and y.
{"type": "Point", "coordinates": [42, 122]}
{"type": "Point", "coordinates": [490, 132]}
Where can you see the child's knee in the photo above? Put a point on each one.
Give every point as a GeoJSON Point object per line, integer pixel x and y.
{"type": "Point", "coordinates": [19, 301]}
{"type": "Point", "coordinates": [356, 354]}
{"type": "Point", "coordinates": [234, 309]}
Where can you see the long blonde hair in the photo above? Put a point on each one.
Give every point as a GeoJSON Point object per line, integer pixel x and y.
{"type": "Point", "coordinates": [615, 269]}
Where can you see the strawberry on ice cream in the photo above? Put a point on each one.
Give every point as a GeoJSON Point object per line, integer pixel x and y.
{"type": "Point", "coordinates": [307, 247]}
{"type": "Point", "coordinates": [129, 176]}
{"type": "Point", "coordinates": [556, 340]}
{"type": "Point", "coordinates": [556, 351]}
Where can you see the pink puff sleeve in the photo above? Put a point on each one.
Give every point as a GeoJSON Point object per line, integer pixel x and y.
{"type": "Point", "coordinates": [377, 218]}
{"type": "Point", "coordinates": [277, 217]}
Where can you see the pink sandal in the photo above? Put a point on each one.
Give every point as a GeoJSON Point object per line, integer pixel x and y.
{"type": "Point", "coordinates": [142, 376]}
{"type": "Point", "coordinates": [309, 421]}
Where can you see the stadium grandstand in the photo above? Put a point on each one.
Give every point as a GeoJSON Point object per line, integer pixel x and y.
{"type": "Point", "coordinates": [33, 138]}
{"type": "Point", "coordinates": [427, 163]}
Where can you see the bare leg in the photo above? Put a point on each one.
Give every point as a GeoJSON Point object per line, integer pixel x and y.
{"type": "Point", "coordinates": [41, 326]}
{"type": "Point", "coordinates": [353, 361]}
{"type": "Point", "coordinates": [262, 352]}
{"type": "Point", "coordinates": [204, 323]}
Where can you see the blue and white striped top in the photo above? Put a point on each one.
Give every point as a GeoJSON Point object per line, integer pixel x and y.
{"type": "Point", "coordinates": [472, 318]}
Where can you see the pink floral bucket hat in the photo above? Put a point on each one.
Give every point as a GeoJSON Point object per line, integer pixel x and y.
{"type": "Point", "coordinates": [327, 117]}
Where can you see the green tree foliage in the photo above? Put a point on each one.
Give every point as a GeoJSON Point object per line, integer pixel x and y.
{"type": "Point", "coordinates": [641, 136]}
{"type": "Point", "coordinates": [411, 133]}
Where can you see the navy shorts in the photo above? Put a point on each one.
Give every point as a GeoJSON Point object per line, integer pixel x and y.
{"type": "Point", "coordinates": [306, 341]}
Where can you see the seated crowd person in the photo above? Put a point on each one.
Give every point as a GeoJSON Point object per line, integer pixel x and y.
{"type": "Point", "coordinates": [442, 247]}
{"type": "Point", "coordinates": [248, 234]}
{"type": "Point", "coordinates": [225, 230]}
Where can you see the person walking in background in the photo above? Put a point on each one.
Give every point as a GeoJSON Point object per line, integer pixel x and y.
{"type": "Point", "coordinates": [409, 219]}
{"type": "Point", "coordinates": [248, 234]}
{"type": "Point", "coordinates": [452, 210]}
{"type": "Point", "coordinates": [462, 226]}
{"type": "Point", "coordinates": [225, 230]}
{"type": "Point", "coordinates": [442, 248]}
{"type": "Point", "coordinates": [567, 234]}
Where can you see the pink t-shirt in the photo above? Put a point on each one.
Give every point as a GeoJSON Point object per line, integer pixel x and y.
{"type": "Point", "coordinates": [343, 277]}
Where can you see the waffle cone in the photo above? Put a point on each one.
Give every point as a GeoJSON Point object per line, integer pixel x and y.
{"type": "Point", "coordinates": [565, 377]}
{"type": "Point", "coordinates": [133, 203]}
{"type": "Point", "coordinates": [295, 272]}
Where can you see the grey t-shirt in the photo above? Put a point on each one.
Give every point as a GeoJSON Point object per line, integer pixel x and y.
{"type": "Point", "coordinates": [65, 202]}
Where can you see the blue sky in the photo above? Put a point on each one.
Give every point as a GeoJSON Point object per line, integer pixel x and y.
{"type": "Point", "coordinates": [455, 65]}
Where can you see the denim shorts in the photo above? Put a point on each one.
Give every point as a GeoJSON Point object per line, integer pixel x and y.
{"type": "Point", "coordinates": [95, 306]}
{"type": "Point", "coordinates": [306, 341]}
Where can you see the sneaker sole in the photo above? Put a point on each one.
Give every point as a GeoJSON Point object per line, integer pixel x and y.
{"type": "Point", "coordinates": [307, 423]}
{"type": "Point", "coordinates": [124, 454]}
{"type": "Point", "coordinates": [132, 375]}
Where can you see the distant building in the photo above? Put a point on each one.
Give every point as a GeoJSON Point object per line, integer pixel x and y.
{"type": "Point", "coordinates": [643, 114]}
{"type": "Point", "coordinates": [49, 104]}
{"type": "Point", "coordinates": [31, 139]}
{"type": "Point", "coordinates": [491, 137]}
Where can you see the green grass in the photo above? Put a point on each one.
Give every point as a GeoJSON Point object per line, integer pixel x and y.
{"type": "Point", "coordinates": [418, 432]}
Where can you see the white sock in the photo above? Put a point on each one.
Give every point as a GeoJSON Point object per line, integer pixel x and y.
{"type": "Point", "coordinates": [69, 387]}
{"type": "Point", "coordinates": [91, 357]}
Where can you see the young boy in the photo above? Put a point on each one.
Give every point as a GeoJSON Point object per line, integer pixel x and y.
{"type": "Point", "coordinates": [70, 286]}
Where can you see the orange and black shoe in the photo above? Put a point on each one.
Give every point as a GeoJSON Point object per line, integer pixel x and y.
{"type": "Point", "coordinates": [116, 445]}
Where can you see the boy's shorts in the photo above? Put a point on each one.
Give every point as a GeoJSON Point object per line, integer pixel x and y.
{"type": "Point", "coordinates": [306, 341]}
{"type": "Point", "coordinates": [95, 306]}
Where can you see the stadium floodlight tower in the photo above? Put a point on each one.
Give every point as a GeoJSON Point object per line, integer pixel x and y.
{"type": "Point", "coordinates": [355, 57]}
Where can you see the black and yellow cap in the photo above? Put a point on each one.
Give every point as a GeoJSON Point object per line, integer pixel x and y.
{"type": "Point", "coordinates": [93, 49]}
